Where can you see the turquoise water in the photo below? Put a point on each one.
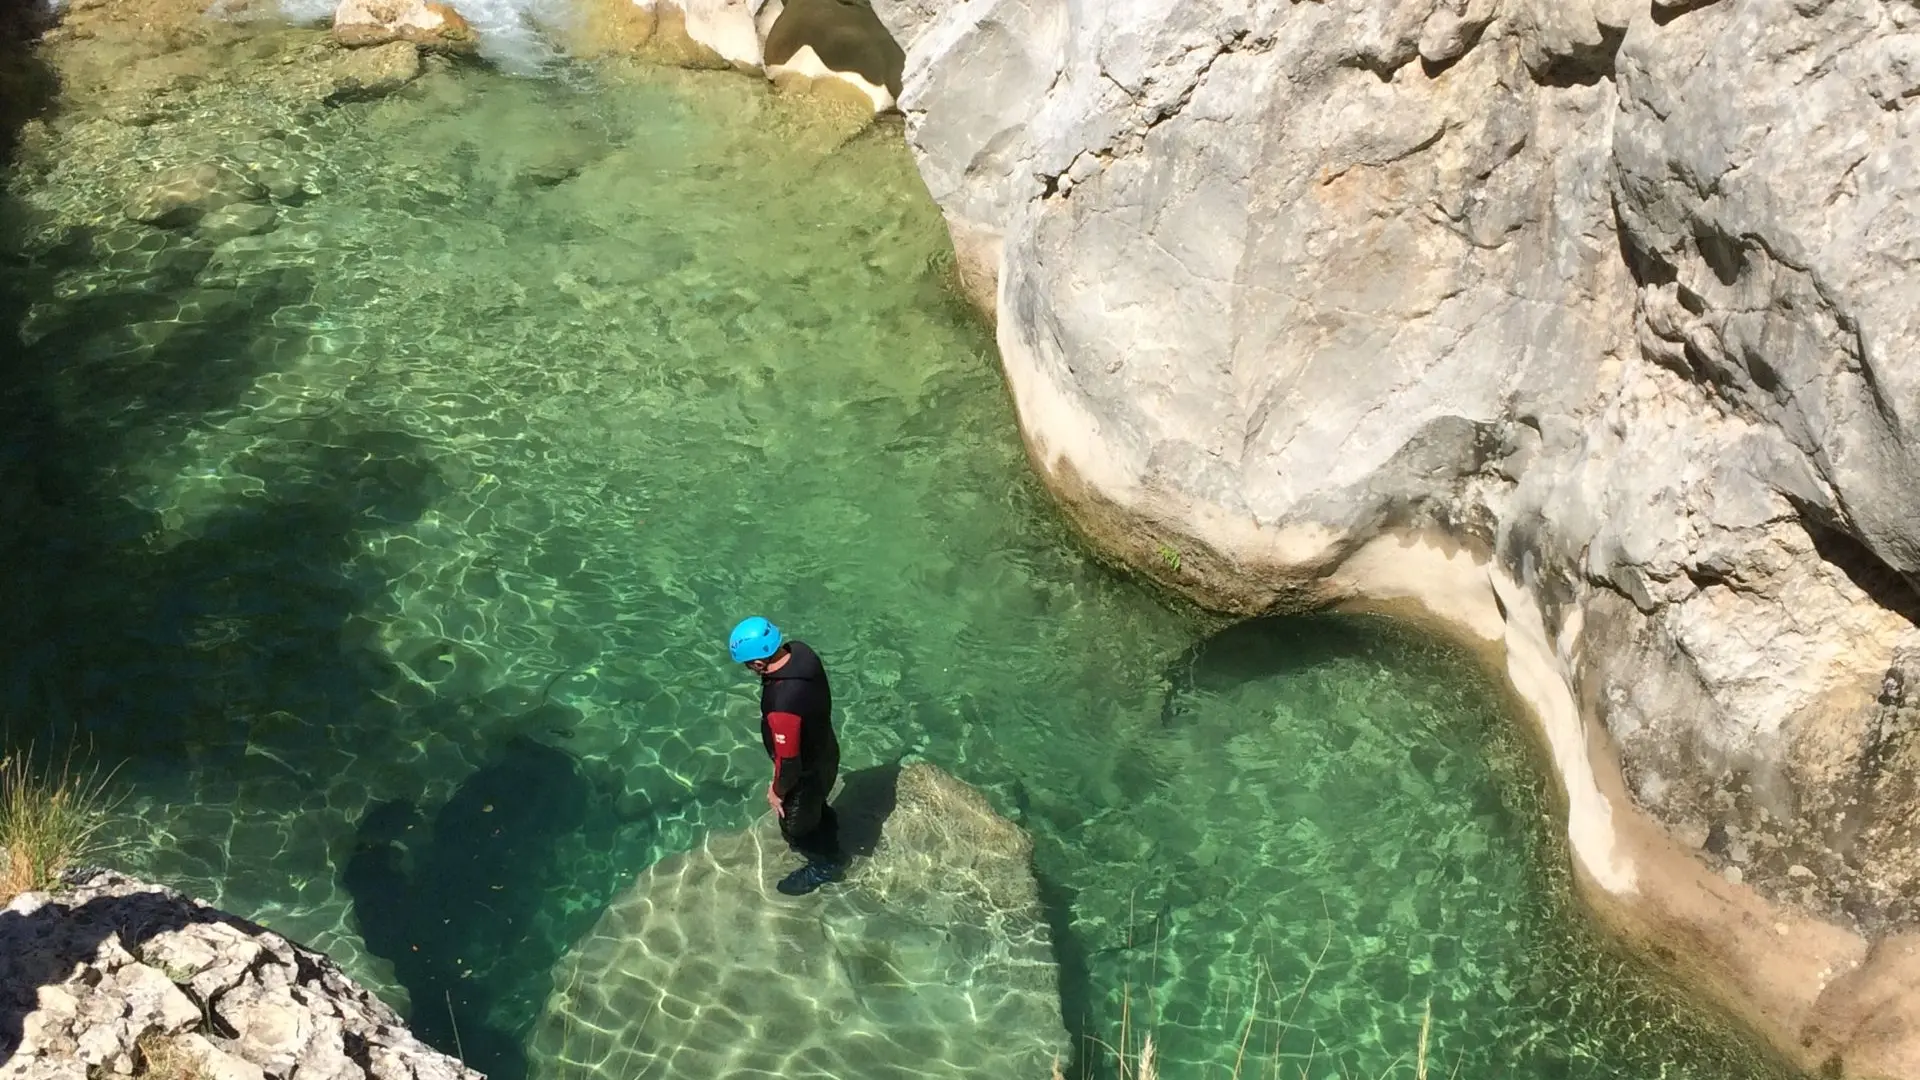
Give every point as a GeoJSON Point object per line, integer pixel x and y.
{"type": "Point", "coordinates": [391, 551]}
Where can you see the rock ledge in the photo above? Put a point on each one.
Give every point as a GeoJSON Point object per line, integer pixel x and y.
{"type": "Point", "coordinates": [109, 976]}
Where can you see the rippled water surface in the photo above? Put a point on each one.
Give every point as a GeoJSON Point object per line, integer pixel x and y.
{"type": "Point", "coordinates": [392, 550]}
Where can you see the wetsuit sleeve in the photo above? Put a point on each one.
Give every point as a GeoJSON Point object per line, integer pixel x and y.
{"type": "Point", "coordinates": [786, 750]}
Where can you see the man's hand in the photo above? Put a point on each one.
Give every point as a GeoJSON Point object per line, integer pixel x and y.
{"type": "Point", "coordinates": [773, 800]}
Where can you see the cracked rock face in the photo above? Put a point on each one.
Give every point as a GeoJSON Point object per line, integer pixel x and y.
{"type": "Point", "coordinates": [109, 976]}
{"type": "Point", "coordinates": [1622, 293]}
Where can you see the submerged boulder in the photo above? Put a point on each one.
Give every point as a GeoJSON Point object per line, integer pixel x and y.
{"type": "Point", "coordinates": [181, 196]}
{"type": "Point", "coordinates": [932, 959]}
{"type": "Point", "coordinates": [240, 219]}
{"type": "Point", "coordinates": [356, 74]}
{"type": "Point", "coordinates": [838, 40]}
{"type": "Point", "coordinates": [422, 22]}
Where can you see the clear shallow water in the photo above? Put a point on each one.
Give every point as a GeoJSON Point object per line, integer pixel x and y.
{"type": "Point", "coordinates": [392, 551]}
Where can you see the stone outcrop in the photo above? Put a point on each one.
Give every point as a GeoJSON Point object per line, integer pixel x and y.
{"type": "Point", "coordinates": [420, 22]}
{"type": "Point", "coordinates": [839, 47]}
{"type": "Point", "coordinates": [907, 18]}
{"type": "Point", "coordinates": [360, 74]}
{"type": "Point", "coordinates": [931, 960]}
{"type": "Point", "coordinates": [112, 977]}
{"type": "Point", "coordinates": [1583, 326]}
{"type": "Point", "coordinates": [157, 66]}
{"type": "Point", "coordinates": [726, 27]}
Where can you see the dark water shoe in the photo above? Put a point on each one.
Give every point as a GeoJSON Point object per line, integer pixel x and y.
{"type": "Point", "coordinates": [810, 877]}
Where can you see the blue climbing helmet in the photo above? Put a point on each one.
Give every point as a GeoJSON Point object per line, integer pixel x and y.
{"type": "Point", "coordinates": [753, 639]}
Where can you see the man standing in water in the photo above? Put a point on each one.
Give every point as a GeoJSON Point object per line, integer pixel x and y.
{"type": "Point", "coordinates": [796, 724]}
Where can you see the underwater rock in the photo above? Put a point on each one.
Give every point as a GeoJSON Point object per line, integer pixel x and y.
{"type": "Point", "coordinates": [239, 219]}
{"type": "Point", "coordinates": [362, 74]}
{"type": "Point", "coordinates": [933, 959]}
{"type": "Point", "coordinates": [111, 976]}
{"type": "Point", "coordinates": [182, 196]}
{"type": "Point", "coordinates": [839, 40]}
{"type": "Point", "coordinates": [422, 22]}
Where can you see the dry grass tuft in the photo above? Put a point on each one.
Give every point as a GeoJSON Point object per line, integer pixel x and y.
{"type": "Point", "coordinates": [50, 820]}
{"type": "Point", "coordinates": [1266, 1064]}
{"type": "Point", "coordinates": [161, 1057]}
{"type": "Point", "coordinates": [1144, 1064]}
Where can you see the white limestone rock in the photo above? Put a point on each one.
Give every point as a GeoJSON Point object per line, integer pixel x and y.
{"type": "Point", "coordinates": [1625, 296]}
{"type": "Point", "coordinates": [426, 23]}
{"type": "Point", "coordinates": [110, 971]}
{"type": "Point", "coordinates": [907, 19]}
{"type": "Point", "coordinates": [728, 27]}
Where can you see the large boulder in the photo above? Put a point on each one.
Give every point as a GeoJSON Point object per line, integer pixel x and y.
{"type": "Point", "coordinates": [1586, 325]}
{"type": "Point", "coordinates": [725, 30]}
{"type": "Point", "coordinates": [357, 74]}
{"type": "Point", "coordinates": [114, 977]}
{"type": "Point", "coordinates": [422, 22]}
{"type": "Point", "coordinates": [931, 960]}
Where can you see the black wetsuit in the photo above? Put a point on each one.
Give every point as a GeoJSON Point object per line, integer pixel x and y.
{"type": "Point", "coordinates": [796, 724]}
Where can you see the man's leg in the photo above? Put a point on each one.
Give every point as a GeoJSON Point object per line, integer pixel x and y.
{"type": "Point", "coordinates": [811, 828]}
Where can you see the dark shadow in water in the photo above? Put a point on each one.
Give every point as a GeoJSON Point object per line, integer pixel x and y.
{"type": "Point", "coordinates": [1076, 976]}
{"type": "Point", "coordinates": [28, 85]}
{"type": "Point", "coordinates": [471, 907]}
{"type": "Point", "coordinates": [167, 646]}
{"type": "Point", "coordinates": [110, 616]}
{"type": "Point", "coordinates": [1262, 648]}
{"type": "Point", "coordinates": [866, 798]}
{"type": "Point", "coordinates": [153, 645]}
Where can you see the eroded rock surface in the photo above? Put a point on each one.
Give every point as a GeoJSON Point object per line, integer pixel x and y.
{"type": "Point", "coordinates": [905, 19]}
{"type": "Point", "coordinates": [420, 22]}
{"type": "Point", "coordinates": [931, 960]}
{"type": "Point", "coordinates": [1622, 296]}
{"type": "Point", "coordinates": [725, 28]}
{"type": "Point", "coordinates": [837, 47]}
{"type": "Point", "coordinates": [110, 975]}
